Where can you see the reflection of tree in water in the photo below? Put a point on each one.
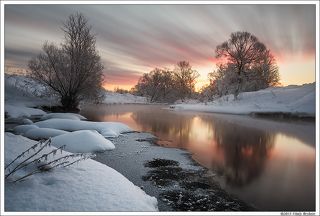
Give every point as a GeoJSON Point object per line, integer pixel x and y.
{"type": "Point", "coordinates": [165, 124]}
{"type": "Point", "coordinates": [245, 151]}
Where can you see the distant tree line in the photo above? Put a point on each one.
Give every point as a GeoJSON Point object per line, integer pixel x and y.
{"type": "Point", "coordinates": [245, 65]}
{"type": "Point", "coordinates": [164, 85]}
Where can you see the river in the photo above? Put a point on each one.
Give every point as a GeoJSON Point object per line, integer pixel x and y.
{"type": "Point", "coordinates": [267, 162]}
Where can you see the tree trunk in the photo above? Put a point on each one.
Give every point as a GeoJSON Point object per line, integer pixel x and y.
{"type": "Point", "coordinates": [69, 103]}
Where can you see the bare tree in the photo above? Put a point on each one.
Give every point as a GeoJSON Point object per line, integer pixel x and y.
{"type": "Point", "coordinates": [185, 78]}
{"type": "Point", "coordinates": [157, 85]}
{"type": "Point", "coordinates": [73, 71]}
{"type": "Point", "coordinates": [249, 59]}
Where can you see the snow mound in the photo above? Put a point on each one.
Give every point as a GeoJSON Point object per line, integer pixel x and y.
{"type": "Point", "coordinates": [21, 129]}
{"type": "Point", "coordinates": [72, 116]}
{"type": "Point", "coordinates": [296, 100]}
{"type": "Point", "coordinates": [15, 111]}
{"type": "Point", "coordinates": [43, 133]}
{"type": "Point", "coordinates": [26, 121]}
{"type": "Point", "coordinates": [88, 186]}
{"type": "Point", "coordinates": [83, 141]}
{"type": "Point", "coordinates": [107, 128]}
{"type": "Point", "coordinates": [108, 133]}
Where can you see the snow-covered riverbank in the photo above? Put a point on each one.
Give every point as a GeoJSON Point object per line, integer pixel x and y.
{"type": "Point", "coordinates": [294, 100]}
{"type": "Point", "coordinates": [23, 94]}
{"type": "Point", "coordinates": [88, 186]}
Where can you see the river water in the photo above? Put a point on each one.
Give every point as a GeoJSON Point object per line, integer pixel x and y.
{"type": "Point", "coordinates": [267, 163]}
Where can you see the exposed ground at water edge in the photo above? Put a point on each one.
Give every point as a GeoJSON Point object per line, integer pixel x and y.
{"type": "Point", "coordinates": [169, 174]}
{"type": "Point", "coordinates": [196, 191]}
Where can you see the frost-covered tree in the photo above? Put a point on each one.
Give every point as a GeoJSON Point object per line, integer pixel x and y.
{"type": "Point", "coordinates": [251, 63]}
{"type": "Point", "coordinates": [185, 79]}
{"type": "Point", "coordinates": [157, 85]}
{"type": "Point", "coordinates": [164, 85]}
{"type": "Point", "coordinates": [73, 71]}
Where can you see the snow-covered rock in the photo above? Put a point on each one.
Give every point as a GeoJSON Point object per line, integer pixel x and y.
{"type": "Point", "coordinates": [88, 186]}
{"type": "Point", "coordinates": [26, 121]}
{"type": "Point", "coordinates": [71, 125]}
{"type": "Point", "coordinates": [16, 111]}
{"type": "Point", "coordinates": [43, 133]}
{"type": "Point", "coordinates": [72, 116]}
{"type": "Point", "coordinates": [297, 100]}
{"type": "Point", "coordinates": [21, 129]}
{"type": "Point", "coordinates": [83, 141]}
{"type": "Point", "coordinates": [108, 133]}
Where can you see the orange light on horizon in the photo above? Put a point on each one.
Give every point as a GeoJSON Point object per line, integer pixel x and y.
{"type": "Point", "coordinates": [112, 87]}
{"type": "Point", "coordinates": [293, 69]}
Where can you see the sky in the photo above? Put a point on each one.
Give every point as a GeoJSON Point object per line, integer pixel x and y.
{"type": "Point", "coordinates": [134, 39]}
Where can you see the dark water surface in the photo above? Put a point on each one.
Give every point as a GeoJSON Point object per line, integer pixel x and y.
{"type": "Point", "coordinates": [267, 163]}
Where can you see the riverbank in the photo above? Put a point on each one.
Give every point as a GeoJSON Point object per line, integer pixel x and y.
{"type": "Point", "coordinates": [169, 174]}
{"type": "Point", "coordinates": [289, 101]}
{"type": "Point", "coordinates": [85, 186]}
{"type": "Point", "coordinates": [246, 153]}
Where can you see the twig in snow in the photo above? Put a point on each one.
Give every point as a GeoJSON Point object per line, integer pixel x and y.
{"type": "Point", "coordinates": [46, 143]}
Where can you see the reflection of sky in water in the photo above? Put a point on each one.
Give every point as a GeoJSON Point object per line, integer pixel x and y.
{"type": "Point", "coordinates": [268, 163]}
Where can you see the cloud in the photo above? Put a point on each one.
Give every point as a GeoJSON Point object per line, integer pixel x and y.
{"type": "Point", "coordinates": [133, 39]}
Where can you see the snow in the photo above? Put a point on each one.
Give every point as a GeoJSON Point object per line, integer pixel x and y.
{"type": "Point", "coordinates": [117, 98]}
{"type": "Point", "coordinates": [21, 91]}
{"type": "Point", "coordinates": [43, 133]}
{"type": "Point", "coordinates": [106, 128]}
{"type": "Point", "coordinates": [83, 141]}
{"type": "Point", "coordinates": [15, 111]}
{"type": "Point", "coordinates": [88, 186]}
{"type": "Point", "coordinates": [72, 116]}
{"type": "Point", "coordinates": [297, 100]}
{"type": "Point", "coordinates": [20, 98]}
{"type": "Point", "coordinates": [21, 129]}
{"type": "Point", "coordinates": [26, 121]}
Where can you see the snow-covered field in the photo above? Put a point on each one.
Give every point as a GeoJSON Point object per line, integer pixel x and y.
{"type": "Point", "coordinates": [117, 98]}
{"type": "Point", "coordinates": [296, 100]}
{"type": "Point", "coordinates": [88, 186]}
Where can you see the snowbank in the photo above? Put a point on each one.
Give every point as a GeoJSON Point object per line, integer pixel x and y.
{"type": "Point", "coordinates": [296, 100]}
{"type": "Point", "coordinates": [21, 94]}
{"type": "Point", "coordinates": [104, 128]}
{"type": "Point", "coordinates": [26, 121]}
{"type": "Point", "coordinates": [88, 186]}
{"type": "Point", "coordinates": [16, 111]}
{"type": "Point", "coordinates": [117, 98]}
{"type": "Point", "coordinates": [21, 129]}
{"type": "Point", "coordinates": [43, 133]}
{"type": "Point", "coordinates": [82, 141]}
{"type": "Point", "coordinates": [72, 116]}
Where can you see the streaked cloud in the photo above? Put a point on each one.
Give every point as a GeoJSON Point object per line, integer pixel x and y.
{"type": "Point", "coordinates": [133, 39]}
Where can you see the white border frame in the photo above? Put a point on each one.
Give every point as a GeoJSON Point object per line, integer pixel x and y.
{"type": "Point", "coordinates": [3, 3]}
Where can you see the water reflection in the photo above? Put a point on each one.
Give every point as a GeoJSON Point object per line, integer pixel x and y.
{"type": "Point", "coordinates": [252, 156]}
{"type": "Point", "coordinates": [245, 151]}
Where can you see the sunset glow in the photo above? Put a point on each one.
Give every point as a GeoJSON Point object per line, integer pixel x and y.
{"type": "Point", "coordinates": [132, 43]}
